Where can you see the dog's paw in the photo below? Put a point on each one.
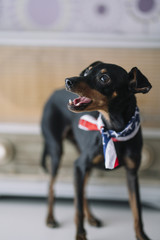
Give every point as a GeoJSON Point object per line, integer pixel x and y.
{"type": "Point", "coordinates": [52, 223]}
{"type": "Point", "coordinates": [95, 222]}
{"type": "Point", "coordinates": [81, 236]}
{"type": "Point", "coordinates": [142, 236]}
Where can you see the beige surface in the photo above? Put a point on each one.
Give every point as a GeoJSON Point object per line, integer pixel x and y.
{"type": "Point", "coordinates": [25, 219]}
{"type": "Point", "coordinates": [28, 75]}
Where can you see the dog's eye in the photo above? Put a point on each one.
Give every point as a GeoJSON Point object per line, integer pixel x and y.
{"type": "Point", "coordinates": [105, 79]}
{"type": "Point", "coordinates": [86, 72]}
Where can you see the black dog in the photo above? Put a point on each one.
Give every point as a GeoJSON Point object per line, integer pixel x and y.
{"type": "Point", "coordinates": [109, 89]}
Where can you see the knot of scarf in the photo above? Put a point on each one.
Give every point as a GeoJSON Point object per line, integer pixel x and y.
{"type": "Point", "coordinates": [89, 123]}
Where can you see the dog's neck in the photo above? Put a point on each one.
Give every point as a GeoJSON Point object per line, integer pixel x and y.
{"type": "Point", "coordinates": [119, 113]}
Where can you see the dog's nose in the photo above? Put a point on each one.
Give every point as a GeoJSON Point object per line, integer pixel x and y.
{"type": "Point", "coordinates": [68, 82]}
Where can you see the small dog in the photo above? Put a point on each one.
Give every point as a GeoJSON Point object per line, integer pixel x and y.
{"type": "Point", "coordinates": [109, 90]}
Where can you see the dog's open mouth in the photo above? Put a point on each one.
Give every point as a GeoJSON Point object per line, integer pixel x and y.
{"type": "Point", "coordinates": [79, 104]}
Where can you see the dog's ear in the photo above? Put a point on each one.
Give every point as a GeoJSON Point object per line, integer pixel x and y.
{"type": "Point", "coordinates": [138, 83]}
{"type": "Point", "coordinates": [95, 63]}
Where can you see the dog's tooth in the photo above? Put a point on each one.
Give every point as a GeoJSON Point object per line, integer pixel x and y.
{"type": "Point", "coordinates": [78, 104]}
{"type": "Point", "coordinates": [70, 101]}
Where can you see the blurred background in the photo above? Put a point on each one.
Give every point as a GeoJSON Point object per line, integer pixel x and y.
{"type": "Point", "coordinates": [44, 41]}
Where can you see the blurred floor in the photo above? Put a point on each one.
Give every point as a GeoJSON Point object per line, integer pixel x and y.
{"type": "Point", "coordinates": [24, 219]}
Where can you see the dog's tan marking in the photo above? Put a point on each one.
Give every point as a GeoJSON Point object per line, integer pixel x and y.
{"type": "Point", "coordinates": [129, 163]}
{"type": "Point", "coordinates": [86, 209]}
{"type": "Point", "coordinates": [134, 80]}
{"type": "Point", "coordinates": [99, 158]}
{"type": "Point", "coordinates": [85, 206]}
{"type": "Point", "coordinates": [51, 196]}
{"type": "Point", "coordinates": [90, 68]}
{"type": "Point", "coordinates": [103, 70]}
{"type": "Point", "coordinates": [134, 208]}
{"type": "Point", "coordinates": [105, 114]}
{"type": "Point", "coordinates": [51, 222]}
{"type": "Point", "coordinates": [88, 214]}
{"type": "Point", "coordinates": [115, 94]}
{"type": "Point", "coordinates": [99, 101]}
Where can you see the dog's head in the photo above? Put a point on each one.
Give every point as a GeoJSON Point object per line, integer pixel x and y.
{"type": "Point", "coordinates": [101, 83]}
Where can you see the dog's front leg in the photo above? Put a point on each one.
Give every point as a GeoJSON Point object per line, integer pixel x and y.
{"type": "Point", "coordinates": [88, 214]}
{"type": "Point", "coordinates": [79, 180]}
{"type": "Point", "coordinates": [135, 204]}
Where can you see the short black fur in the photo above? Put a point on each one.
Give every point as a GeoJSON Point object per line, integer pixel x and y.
{"type": "Point", "coordinates": [107, 88]}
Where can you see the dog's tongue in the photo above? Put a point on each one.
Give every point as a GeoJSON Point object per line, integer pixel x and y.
{"type": "Point", "coordinates": [81, 100]}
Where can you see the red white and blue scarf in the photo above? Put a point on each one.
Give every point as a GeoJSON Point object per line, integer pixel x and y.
{"type": "Point", "coordinates": [89, 123]}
